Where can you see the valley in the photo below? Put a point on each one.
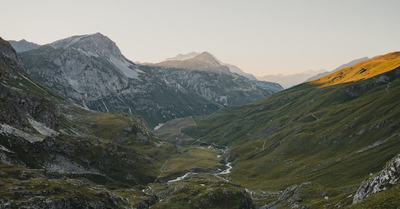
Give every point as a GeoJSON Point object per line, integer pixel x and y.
{"type": "Point", "coordinates": [200, 104]}
{"type": "Point", "coordinates": [201, 139]}
{"type": "Point", "coordinates": [318, 136]}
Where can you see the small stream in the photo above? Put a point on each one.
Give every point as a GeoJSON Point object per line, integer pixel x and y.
{"type": "Point", "coordinates": [226, 171]}
{"type": "Point", "coordinates": [227, 164]}
{"type": "Point", "coordinates": [181, 177]}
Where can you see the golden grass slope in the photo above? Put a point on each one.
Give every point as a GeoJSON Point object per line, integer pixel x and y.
{"type": "Point", "coordinates": [361, 71]}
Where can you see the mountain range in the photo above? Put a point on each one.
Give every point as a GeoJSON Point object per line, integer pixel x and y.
{"type": "Point", "coordinates": [333, 142]}
{"type": "Point", "coordinates": [290, 80]}
{"type": "Point", "coordinates": [91, 71]}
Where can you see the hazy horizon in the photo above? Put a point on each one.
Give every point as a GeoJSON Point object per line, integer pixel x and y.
{"type": "Point", "coordinates": [261, 37]}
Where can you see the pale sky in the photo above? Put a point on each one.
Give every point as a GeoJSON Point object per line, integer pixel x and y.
{"type": "Point", "coordinates": [259, 36]}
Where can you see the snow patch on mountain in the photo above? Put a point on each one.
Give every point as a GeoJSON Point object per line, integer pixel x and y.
{"type": "Point", "coordinates": [7, 129]}
{"type": "Point", "coordinates": [65, 43]}
{"type": "Point", "coordinates": [74, 83]}
{"type": "Point", "coordinates": [2, 148]}
{"type": "Point", "coordinates": [127, 68]}
{"type": "Point", "coordinates": [158, 126]}
{"type": "Point", "coordinates": [41, 128]}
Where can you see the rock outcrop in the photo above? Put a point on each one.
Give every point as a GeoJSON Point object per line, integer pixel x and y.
{"type": "Point", "coordinates": [389, 176]}
{"type": "Point", "coordinates": [17, 107]}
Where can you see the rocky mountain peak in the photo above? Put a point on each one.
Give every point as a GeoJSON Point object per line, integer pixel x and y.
{"type": "Point", "coordinates": [23, 45]}
{"type": "Point", "coordinates": [196, 56]}
{"type": "Point", "coordinates": [183, 56]}
{"type": "Point", "coordinates": [94, 44]}
{"type": "Point", "coordinates": [195, 61]}
{"type": "Point", "coordinates": [207, 58]}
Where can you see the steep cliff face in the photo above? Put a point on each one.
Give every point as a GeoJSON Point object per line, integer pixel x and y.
{"type": "Point", "coordinates": [20, 108]}
{"type": "Point", "coordinates": [16, 108]}
{"type": "Point", "coordinates": [91, 71]}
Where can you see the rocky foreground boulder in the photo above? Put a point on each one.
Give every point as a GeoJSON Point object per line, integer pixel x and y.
{"type": "Point", "coordinates": [385, 179]}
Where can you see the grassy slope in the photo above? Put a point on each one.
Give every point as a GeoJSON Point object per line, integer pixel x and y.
{"type": "Point", "coordinates": [362, 70]}
{"type": "Point", "coordinates": [191, 158]}
{"type": "Point", "coordinates": [312, 132]}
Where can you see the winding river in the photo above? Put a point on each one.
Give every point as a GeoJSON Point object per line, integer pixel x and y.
{"type": "Point", "coordinates": [181, 177]}
{"type": "Point", "coordinates": [226, 171]}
